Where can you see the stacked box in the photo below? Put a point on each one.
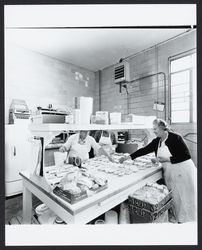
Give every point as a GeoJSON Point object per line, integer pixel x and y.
{"type": "Point", "coordinates": [144, 212]}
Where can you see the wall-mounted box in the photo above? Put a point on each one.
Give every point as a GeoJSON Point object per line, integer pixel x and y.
{"type": "Point", "coordinates": [121, 72]}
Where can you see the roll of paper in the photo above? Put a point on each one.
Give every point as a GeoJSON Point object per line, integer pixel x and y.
{"type": "Point", "coordinates": [124, 217]}
{"type": "Point", "coordinates": [111, 217]}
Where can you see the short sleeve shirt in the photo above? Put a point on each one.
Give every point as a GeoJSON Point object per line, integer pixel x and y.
{"type": "Point", "coordinates": [89, 142]}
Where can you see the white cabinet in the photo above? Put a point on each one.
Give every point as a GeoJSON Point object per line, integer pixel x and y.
{"type": "Point", "coordinates": [17, 156]}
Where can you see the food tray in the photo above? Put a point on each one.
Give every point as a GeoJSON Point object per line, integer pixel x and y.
{"type": "Point", "coordinates": [67, 196]}
{"type": "Point", "coordinates": [148, 206]}
{"type": "Point", "coordinates": [100, 188]}
{"type": "Point", "coordinates": [141, 215]}
{"type": "Point", "coordinates": [74, 198]}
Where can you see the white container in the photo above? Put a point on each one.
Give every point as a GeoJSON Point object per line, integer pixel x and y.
{"type": "Point", "coordinates": [60, 158]}
{"type": "Point", "coordinates": [139, 119]}
{"type": "Point", "coordinates": [111, 217]}
{"type": "Point", "coordinates": [47, 218]}
{"type": "Point", "coordinates": [85, 105]}
{"type": "Point", "coordinates": [102, 117]}
{"type": "Point", "coordinates": [42, 208]}
{"type": "Point", "coordinates": [124, 217]}
{"type": "Point", "coordinates": [115, 118]}
{"type": "Point", "coordinates": [69, 119]}
{"type": "Point", "coordinates": [58, 220]}
{"type": "Point", "coordinates": [77, 116]}
{"type": "Point", "coordinates": [99, 222]}
{"type": "Point", "coordinates": [45, 214]}
{"type": "Point", "coordinates": [134, 119]}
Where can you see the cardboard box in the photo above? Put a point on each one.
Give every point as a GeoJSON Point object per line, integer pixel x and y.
{"type": "Point", "coordinates": [102, 117]}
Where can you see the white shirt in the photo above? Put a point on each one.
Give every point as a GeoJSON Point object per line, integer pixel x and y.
{"type": "Point", "coordinates": [73, 145]}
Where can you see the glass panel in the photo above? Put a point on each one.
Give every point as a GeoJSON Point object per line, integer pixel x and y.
{"type": "Point", "coordinates": [183, 88]}
{"type": "Point", "coordinates": [180, 106]}
{"type": "Point", "coordinates": [180, 89]}
{"type": "Point", "coordinates": [184, 95]}
{"type": "Point", "coordinates": [180, 116]}
{"type": "Point", "coordinates": [181, 63]}
{"type": "Point", "coordinates": [181, 77]}
{"type": "Point", "coordinates": [180, 98]}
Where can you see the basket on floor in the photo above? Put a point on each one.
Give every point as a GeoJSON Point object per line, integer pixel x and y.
{"type": "Point", "coordinates": [143, 210]}
{"type": "Point", "coordinates": [142, 215]}
{"type": "Point", "coordinates": [148, 206]}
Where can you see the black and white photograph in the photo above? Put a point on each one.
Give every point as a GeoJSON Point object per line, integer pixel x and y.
{"type": "Point", "coordinates": [100, 121]}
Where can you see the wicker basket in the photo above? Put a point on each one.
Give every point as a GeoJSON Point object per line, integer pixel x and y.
{"type": "Point", "coordinates": [142, 215]}
{"type": "Point", "coordinates": [148, 206]}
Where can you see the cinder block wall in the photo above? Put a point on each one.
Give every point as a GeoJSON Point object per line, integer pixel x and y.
{"type": "Point", "coordinates": [41, 80]}
{"type": "Point", "coordinates": [143, 93]}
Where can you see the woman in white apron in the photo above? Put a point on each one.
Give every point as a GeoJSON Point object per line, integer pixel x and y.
{"type": "Point", "coordinates": [181, 179]}
{"type": "Point", "coordinates": [106, 143]}
{"type": "Point", "coordinates": [79, 145]}
{"type": "Point", "coordinates": [179, 171]}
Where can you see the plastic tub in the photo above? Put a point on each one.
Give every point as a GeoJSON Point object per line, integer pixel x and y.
{"type": "Point", "coordinates": [42, 208]}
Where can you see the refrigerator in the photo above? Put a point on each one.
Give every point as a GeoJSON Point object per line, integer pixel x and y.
{"type": "Point", "coordinates": [17, 155]}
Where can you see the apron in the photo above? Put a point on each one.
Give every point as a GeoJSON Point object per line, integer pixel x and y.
{"type": "Point", "coordinates": [106, 143]}
{"type": "Point", "coordinates": [79, 150]}
{"type": "Point", "coordinates": [181, 179]}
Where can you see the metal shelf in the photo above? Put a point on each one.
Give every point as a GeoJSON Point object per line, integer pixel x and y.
{"type": "Point", "coordinates": [55, 127]}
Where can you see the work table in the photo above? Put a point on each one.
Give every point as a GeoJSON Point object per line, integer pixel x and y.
{"type": "Point", "coordinates": [91, 207]}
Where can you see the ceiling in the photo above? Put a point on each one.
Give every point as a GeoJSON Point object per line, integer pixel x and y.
{"type": "Point", "coordinates": [93, 49]}
{"type": "Point", "coordinates": [80, 34]}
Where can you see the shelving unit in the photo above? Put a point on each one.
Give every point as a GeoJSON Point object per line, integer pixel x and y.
{"type": "Point", "coordinates": [49, 131]}
{"type": "Point", "coordinates": [54, 127]}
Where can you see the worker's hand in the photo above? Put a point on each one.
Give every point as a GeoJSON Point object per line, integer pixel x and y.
{"type": "Point", "coordinates": [62, 149]}
{"type": "Point", "coordinates": [124, 158]}
{"type": "Point", "coordinates": [111, 159]}
{"type": "Point", "coordinates": [155, 160]}
{"type": "Point", "coordinates": [163, 159]}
